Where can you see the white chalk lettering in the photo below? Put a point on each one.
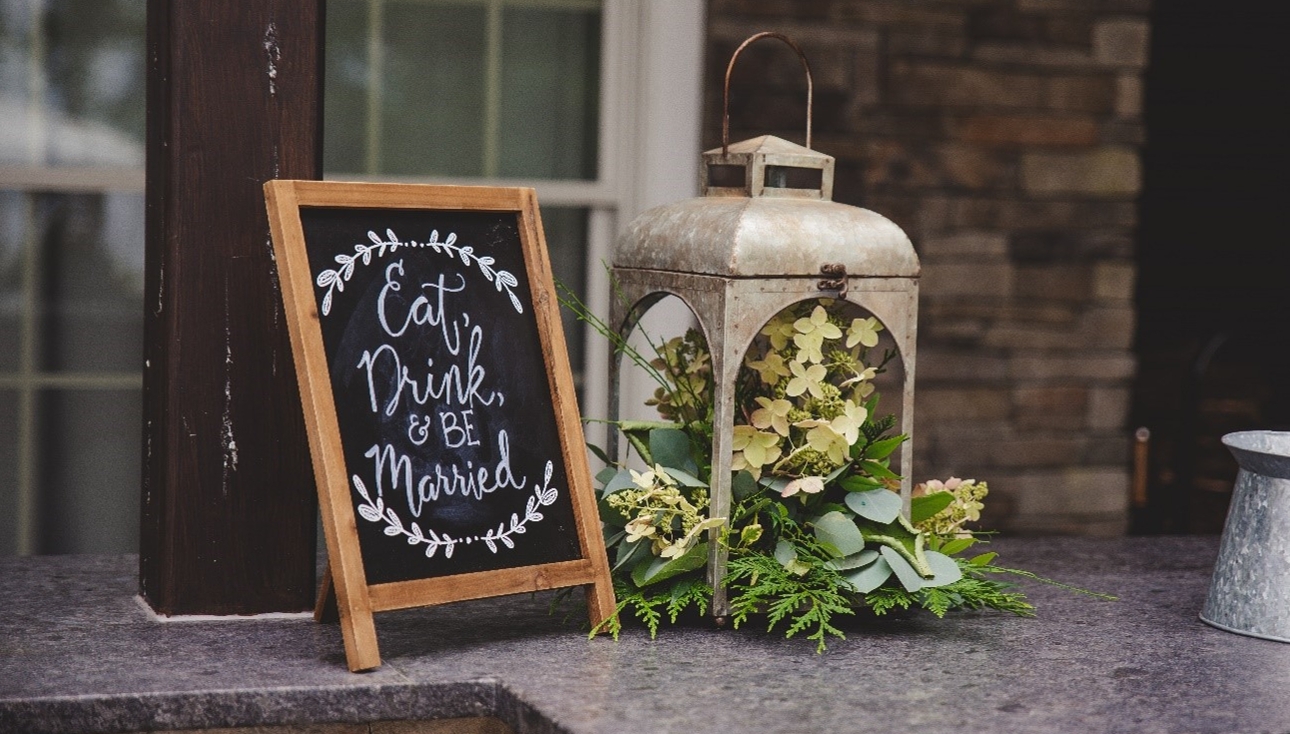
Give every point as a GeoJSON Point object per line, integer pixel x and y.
{"type": "Point", "coordinates": [393, 471]}
{"type": "Point", "coordinates": [448, 387]}
{"type": "Point", "coordinates": [458, 429]}
{"type": "Point", "coordinates": [423, 311]}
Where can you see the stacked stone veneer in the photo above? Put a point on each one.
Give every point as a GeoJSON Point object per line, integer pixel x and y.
{"type": "Point", "coordinates": [1003, 136]}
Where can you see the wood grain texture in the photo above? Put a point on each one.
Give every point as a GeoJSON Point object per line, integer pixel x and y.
{"type": "Point", "coordinates": [600, 596]}
{"type": "Point", "coordinates": [347, 580]}
{"type": "Point", "coordinates": [462, 587]}
{"type": "Point", "coordinates": [234, 99]}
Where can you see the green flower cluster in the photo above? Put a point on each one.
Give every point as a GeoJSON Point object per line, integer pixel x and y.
{"type": "Point", "coordinates": [815, 529]}
{"type": "Point", "coordinates": [809, 378]}
{"type": "Point", "coordinates": [657, 510]}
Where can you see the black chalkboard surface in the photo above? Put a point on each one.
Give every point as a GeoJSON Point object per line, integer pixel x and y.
{"type": "Point", "coordinates": [441, 395]}
{"type": "Point", "coordinates": [438, 397]}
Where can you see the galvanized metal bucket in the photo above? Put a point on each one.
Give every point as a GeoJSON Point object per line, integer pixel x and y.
{"type": "Point", "coordinates": [1250, 591]}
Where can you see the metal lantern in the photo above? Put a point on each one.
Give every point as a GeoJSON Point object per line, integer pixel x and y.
{"type": "Point", "coordinates": [764, 235]}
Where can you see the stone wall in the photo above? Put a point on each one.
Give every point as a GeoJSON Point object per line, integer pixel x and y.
{"type": "Point", "coordinates": [1003, 136]}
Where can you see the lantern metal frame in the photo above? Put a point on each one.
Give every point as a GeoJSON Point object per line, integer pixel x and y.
{"type": "Point", "coordinates": [733, 295]}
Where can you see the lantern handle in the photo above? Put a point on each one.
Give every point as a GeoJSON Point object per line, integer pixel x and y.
{"type": "Point", "coordinates": [725, 94]}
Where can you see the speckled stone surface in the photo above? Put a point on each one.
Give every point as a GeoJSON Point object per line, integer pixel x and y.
{"type": "Point", "coordinates": [78, 655]}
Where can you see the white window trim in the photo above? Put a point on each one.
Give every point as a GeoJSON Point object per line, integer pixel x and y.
{"type": "Point", "coordinates": [652, 113]}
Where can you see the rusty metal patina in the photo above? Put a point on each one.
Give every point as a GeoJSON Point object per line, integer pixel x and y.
{"type": "Point", "coordinates": [765, 235]}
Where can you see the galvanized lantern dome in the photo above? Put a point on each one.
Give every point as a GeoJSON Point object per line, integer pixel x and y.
{"type": "Point", "coordinates": [764, 235]}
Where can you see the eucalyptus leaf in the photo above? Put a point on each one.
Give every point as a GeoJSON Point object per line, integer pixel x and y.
{"type": "Point", "coordinates": [775, 484]}
{"type": "Point", "coordinates": [743, 485]}
{"type": "Point", "coordinates": [786, 554]}
{"type": "Point", "coordinates": [671, 448]}
{"type": "Point", "coordinates": [612, 535]}
{"type": "Point", "coordinates": [900, 538]}
{"type": "Point", "coordinates": [879, 505]}
{"type": "Point", "coordinates": [836, 473]}
{"type": "Point", "coordinates": [921, 508]}
{"type": "Point", "coordinates": [840, 532]}
{"type": "Point", "coordinates": [622, 479]}
{"type": "Point", "coordinates": [684, 478]}
{"type": "Point", "coordinates": [909, 578]}
{"type": "Point", "coordinates": [628, 552]}
{"type": "Point", "coordinates": [652, 571]}
{"type": "Point", "coordinates": [853, 561]}
{"type": "Point", "coordinates": [604, 475]}
{"type": "Point", "coordinates": [870, 577]}
{"type": "Point", "coordinates": [945, 570]}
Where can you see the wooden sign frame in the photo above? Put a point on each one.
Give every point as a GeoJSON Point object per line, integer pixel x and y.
{"type": "Point", "coordinates": [356, 599]}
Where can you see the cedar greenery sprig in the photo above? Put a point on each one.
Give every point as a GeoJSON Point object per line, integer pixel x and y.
{"type": "Point", "coordinates": [761, 584]}
{"type": "Point", "coordinates": [648, 604]}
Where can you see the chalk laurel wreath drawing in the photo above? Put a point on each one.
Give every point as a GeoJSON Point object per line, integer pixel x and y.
{"type": "Point", "coordinates": [375, 510]}
{"type": "Point", "coordinates": [503, 280]}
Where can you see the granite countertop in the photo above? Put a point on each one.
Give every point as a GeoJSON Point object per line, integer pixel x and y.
{"type": "Point", "coordinates": [79, 654]}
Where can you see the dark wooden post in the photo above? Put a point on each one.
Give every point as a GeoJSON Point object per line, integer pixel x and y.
{"type": "Point", "coordinates": [234, 99]}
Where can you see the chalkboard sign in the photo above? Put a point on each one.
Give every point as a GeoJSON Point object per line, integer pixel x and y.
{"type": "Point", "coordinates": [438, 397]}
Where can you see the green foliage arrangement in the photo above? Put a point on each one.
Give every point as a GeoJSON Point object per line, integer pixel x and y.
{"type": "Point", "coordinates": [816, 529]}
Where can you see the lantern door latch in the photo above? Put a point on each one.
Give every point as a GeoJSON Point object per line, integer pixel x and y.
{"type": "Point", "coordinates": [835, 278]}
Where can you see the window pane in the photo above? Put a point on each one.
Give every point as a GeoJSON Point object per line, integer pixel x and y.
{"type": "Point", "coordinates": [71, 82]}
{"type": "Point", "coordinates": [13, 235]}
{"type": "Point", "coordinates": [566, 242]}
{"type": "Point", "coordinates": [71, 273]}
{"type": "Point", "coordinates": [89, 468]}
{"type": "Point", "coordinates": [8, 472]}
{"type": "Point", "coordinates": [91, 284]}
{"type": "Point", "coordinates": [550, 93]}
{"type": "Point", "coordinates": [95, 87]}
{"type": "Point", "coordinates": [19, 144]}
{"type": "Point", "coordinates": [346, 76]}
{"type": "Point", "coordinates": [405, 92]}
{"type": "Point", "coordinates": [462, 89]}
{"type": "Point", "coordinates": [432, 101]}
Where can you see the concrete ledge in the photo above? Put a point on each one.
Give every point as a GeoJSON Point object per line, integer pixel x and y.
{"type": "Point", "coordinates": [78, 655]}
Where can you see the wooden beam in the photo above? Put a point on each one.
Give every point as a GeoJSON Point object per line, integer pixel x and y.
{"type": "Point", "coordinates": [234, 99]}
